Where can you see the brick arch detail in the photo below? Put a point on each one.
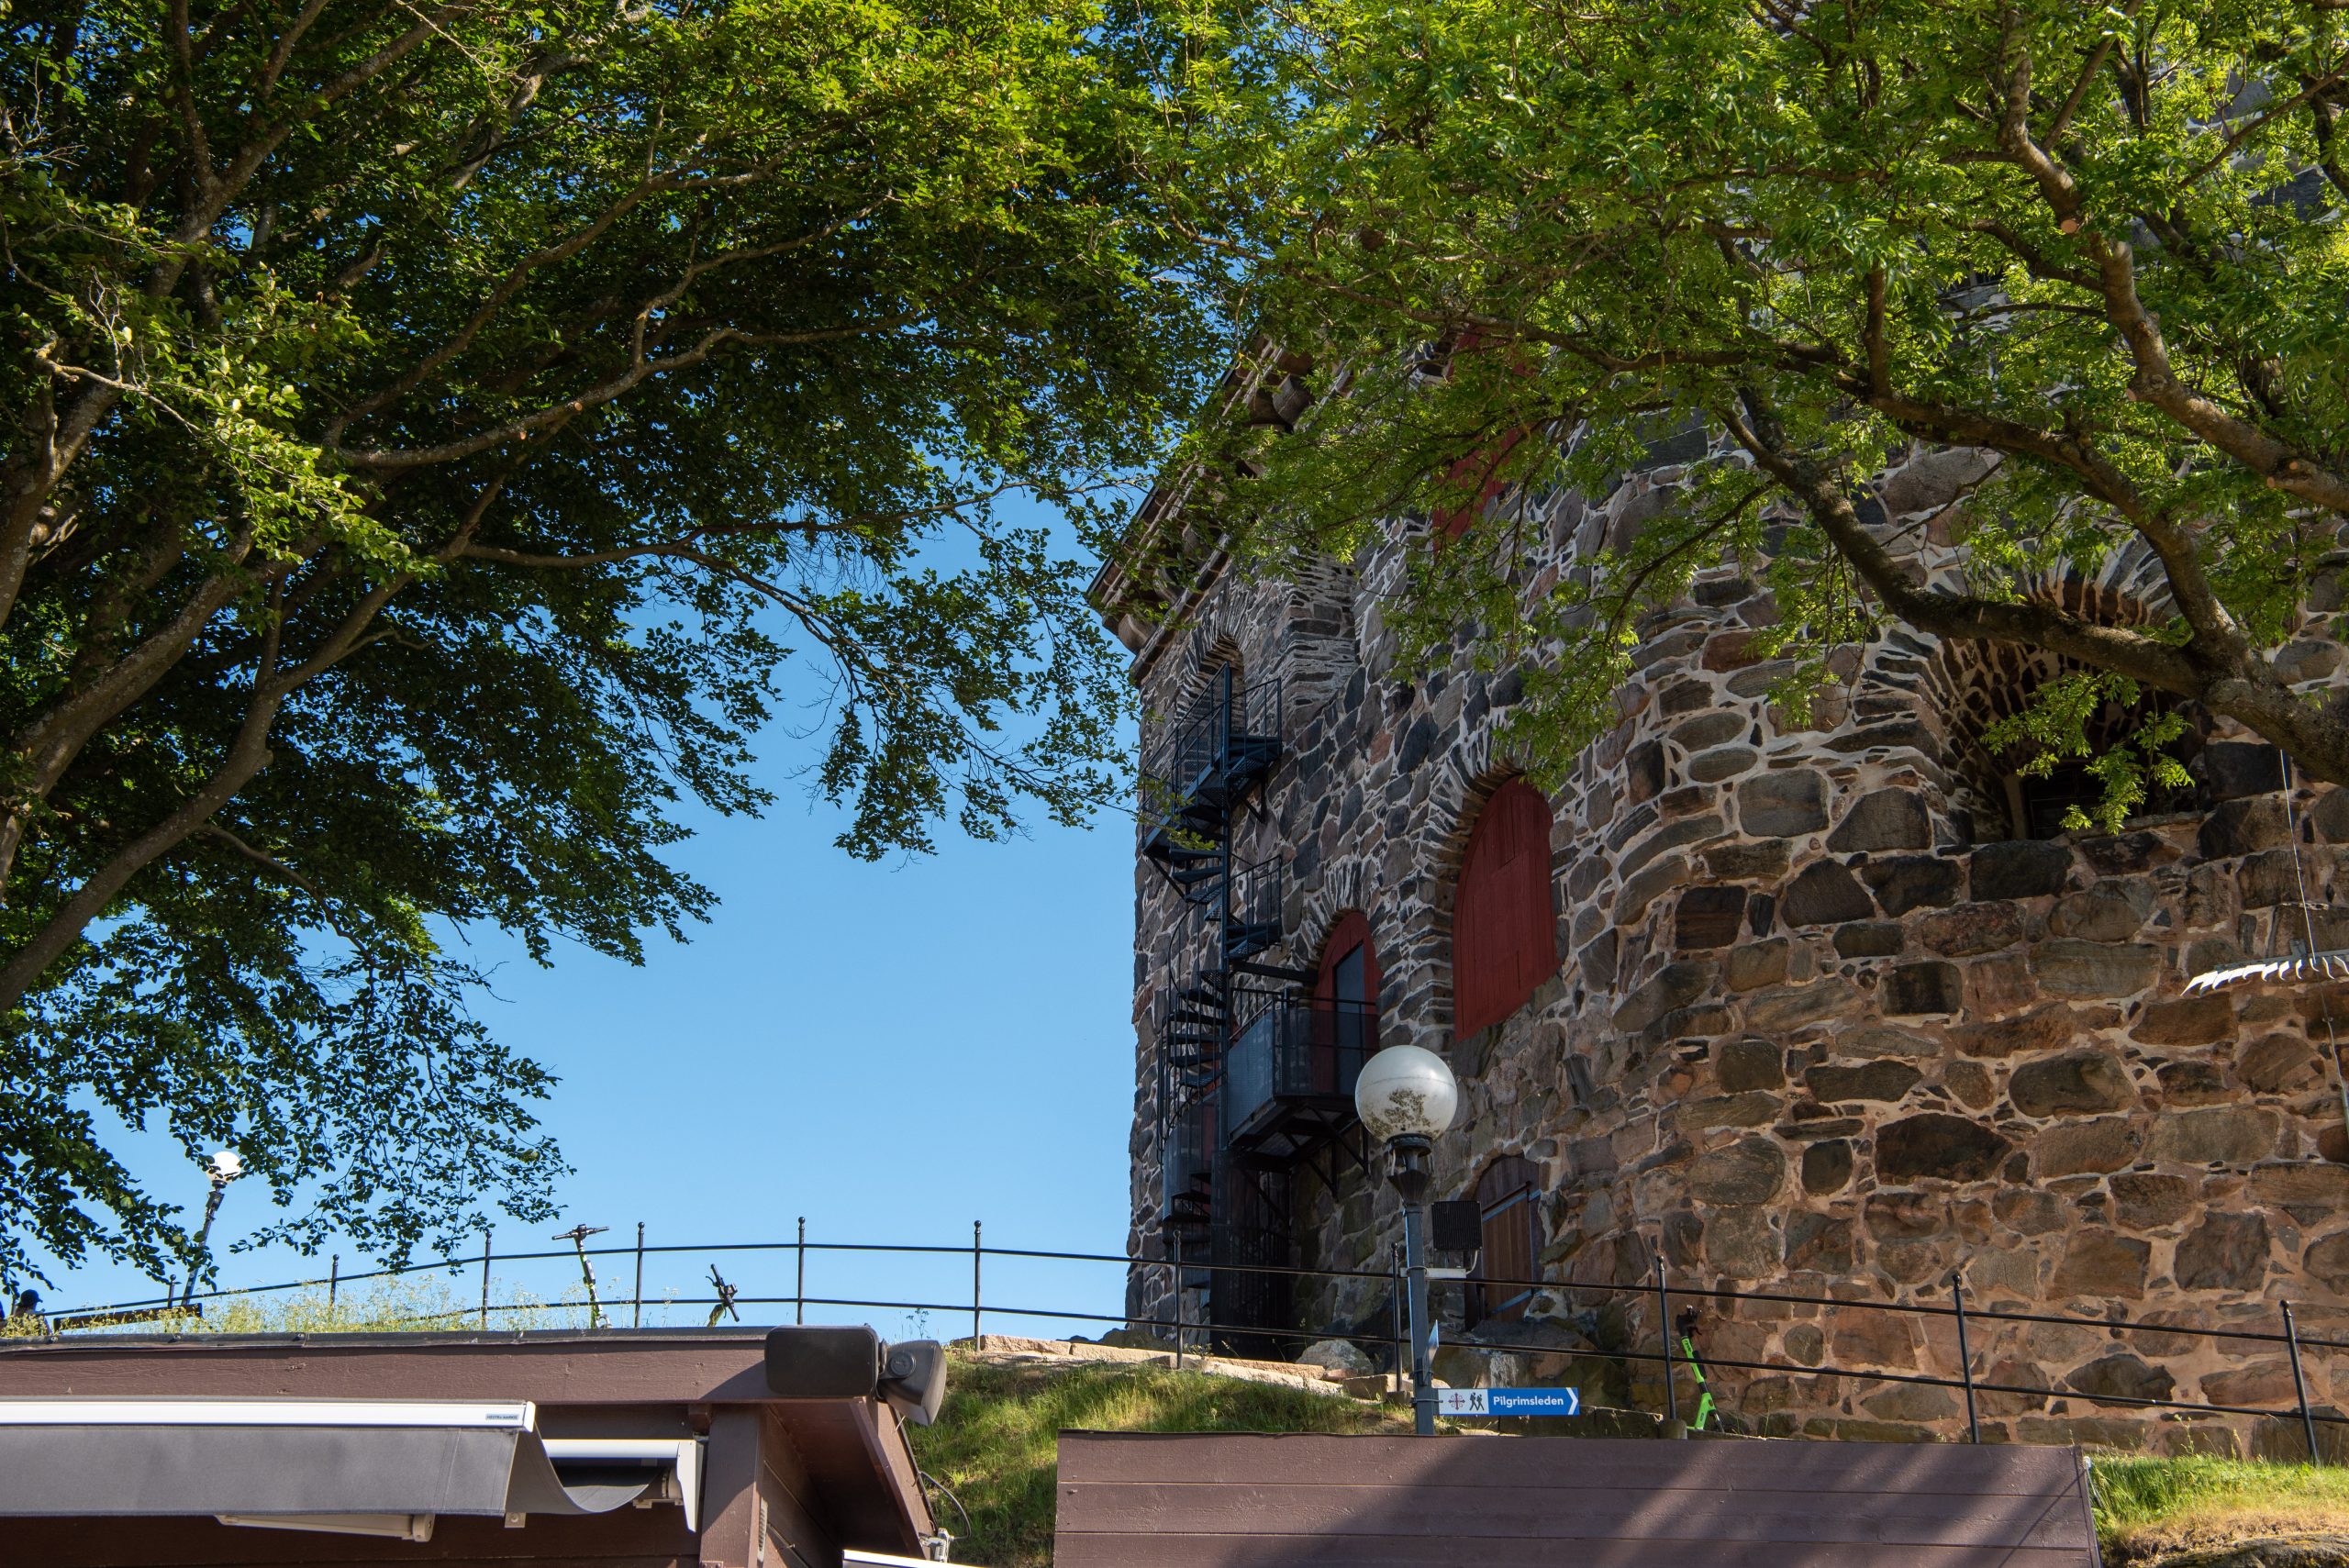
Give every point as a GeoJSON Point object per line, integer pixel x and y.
{"type": "Point", "coordinates": [1211, 651]}
{"type": "Point", "coordinates": [1965, 686]}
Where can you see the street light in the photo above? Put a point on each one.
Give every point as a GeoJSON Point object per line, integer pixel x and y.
{"type": "Point", "coordinates": [1407, 1096]}
{"type": "Point", "coordinates": [225, 1166]}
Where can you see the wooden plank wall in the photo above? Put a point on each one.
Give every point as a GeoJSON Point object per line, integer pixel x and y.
{"type": "Point", "coordinates": [1135, 1500]}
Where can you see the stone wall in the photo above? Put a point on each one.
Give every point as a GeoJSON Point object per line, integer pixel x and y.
{"type": "Point", "coordinates": [1819, 1025]}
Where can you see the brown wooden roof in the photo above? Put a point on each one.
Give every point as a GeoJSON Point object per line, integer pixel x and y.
{"type": "Point", "coordinates": [1130, 1500]}
{"type": "Point", "coordinates": [787, 1480]}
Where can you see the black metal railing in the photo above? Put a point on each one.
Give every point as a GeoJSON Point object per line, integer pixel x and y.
{"type": "Point", "coordinates": [1194, 1019]}
{"type": "Point", "coordinates": [1252, 915]}
{"type": "Point", "coordinates": [1187, 1164]}
{"type": "Point", "coordinates": [1213, 753]}
{"type": "Point", "coordinates": [1290, 1051]}
{"type": "Point", "coordinates": [1175, 1260]}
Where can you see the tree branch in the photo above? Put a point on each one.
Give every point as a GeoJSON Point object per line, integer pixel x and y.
{"type": "Point", "coordinates": [2127, 652]}
{"type": "Point", "coordinates": [640, 370]}
{"type": "Point", "coordinates": [247, 754]}
{"type": "Point", "coordinates": [278, 867]}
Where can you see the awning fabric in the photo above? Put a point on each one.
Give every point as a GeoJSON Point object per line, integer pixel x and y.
{"type": "Point", "coordinates": [119, 1469]}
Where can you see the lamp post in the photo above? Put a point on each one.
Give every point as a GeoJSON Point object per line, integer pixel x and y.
{"type": "Point", "coordinates": [1407, 1096]}
{"type": "Point", "coordinates": [224, 1167]}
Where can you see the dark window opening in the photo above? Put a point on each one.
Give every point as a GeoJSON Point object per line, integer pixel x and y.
{"type": "Point", "coordinates": [2038, 804]}
{"type": "Point", "coordinates": [1976, 687]}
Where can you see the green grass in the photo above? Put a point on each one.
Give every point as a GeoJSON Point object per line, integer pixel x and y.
{"type": "Point", "coordinates": [415, 1303]}
{"type": "Point", "coordinates": [994, 1445]}
{"type": "Point", "coordinates": [2148, 1508]}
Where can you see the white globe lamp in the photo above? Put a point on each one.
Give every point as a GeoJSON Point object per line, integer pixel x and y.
{"type": "Point", "coordinates": [1406, 1092]}
{"type": "Point", "coordinates": [1407, 1097]}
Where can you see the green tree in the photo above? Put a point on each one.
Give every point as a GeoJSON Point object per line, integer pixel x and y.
{"type": "Point", "coordinates": [428, 429]}
{"type": "Point", "coordinates": [2105, 243]}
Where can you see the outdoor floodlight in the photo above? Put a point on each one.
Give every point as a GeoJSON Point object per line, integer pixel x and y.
{"type": "Point", "coordinates": [1404, 1092]}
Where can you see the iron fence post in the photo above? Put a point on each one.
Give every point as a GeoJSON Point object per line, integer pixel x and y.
{"type": "Point", "coordinates": [334, 1285]}
{"type": "Point", "coordinates": [484, 1279]}
{"type": "Point", "coordinates": [1672, 1427]}
{"type": "Point", "coordinates": [975, 1256]}
{"type": "Point", "coordinates": [799, 1285]}
{"type": "Point", "coordinates": [636, 1315]}
{"type": "Point", "coordinates": [1965, 1357]}
{"type": "Point", "coordinates": [2300, 1385]}
{"type": "Point", "coordinates": [1173, 1291]}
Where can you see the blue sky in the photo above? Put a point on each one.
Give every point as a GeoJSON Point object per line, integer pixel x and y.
{"type": "Point", "coordinates": [891, 1051]}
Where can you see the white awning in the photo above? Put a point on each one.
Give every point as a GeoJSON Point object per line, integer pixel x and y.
{"type": "Point", "coordinates": [374, 1467]}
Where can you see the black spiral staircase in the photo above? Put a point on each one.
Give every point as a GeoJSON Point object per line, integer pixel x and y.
{"type": "Point", "coordinates": [1251, 1075]}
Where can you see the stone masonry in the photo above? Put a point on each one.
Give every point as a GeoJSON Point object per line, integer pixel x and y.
{"type": "Point", "coordinates": [1821, 1024]}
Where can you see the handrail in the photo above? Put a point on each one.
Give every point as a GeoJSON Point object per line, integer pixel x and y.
{"type": "Point", "coordinates": [1188, 1267]}
{"type": "Point", "coordinates": [463, 1264]}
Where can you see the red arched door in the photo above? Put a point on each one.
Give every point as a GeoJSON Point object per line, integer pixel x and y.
{"type": "Point", "coordinates": [1504, 928]}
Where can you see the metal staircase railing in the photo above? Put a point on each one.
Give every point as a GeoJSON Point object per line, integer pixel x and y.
{"type": "Point", "coordinates": [1207, 762]}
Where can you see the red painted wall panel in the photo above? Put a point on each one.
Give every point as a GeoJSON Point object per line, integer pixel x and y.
{"type": "Point", "coordinates": [1504, 931]}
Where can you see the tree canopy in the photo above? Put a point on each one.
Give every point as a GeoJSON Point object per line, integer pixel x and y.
{"type": "Point", "coordinates": [429, 429]}
{"type": "Point", "coordinates": [2104, 243]}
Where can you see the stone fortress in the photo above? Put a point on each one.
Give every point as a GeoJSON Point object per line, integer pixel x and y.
{"type": "Point", "coordinates": [1831, 1010]}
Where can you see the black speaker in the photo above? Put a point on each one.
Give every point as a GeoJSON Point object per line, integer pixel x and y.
{"type": "Point", "coordinates": [1456, 1225]}
{"type": "Point", "coordinates": [823, 1364]}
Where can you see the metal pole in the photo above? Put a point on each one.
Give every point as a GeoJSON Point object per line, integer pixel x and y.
{"type": "Point", "coordinates": [1672, 1427]}
{"type": "Point", "coordinates": [484, 1279]}
{"type": "Point", "coordinates": [974, 1284]}
{"type": "Point", "coordinates": [334, 1285]}
{"type": "Point", "coordinates": [2300, 1385]}
{"type": "Point", "coordinates": [1965, 1359]}
{"type": "Point", "coordinates": [1415, 1265]}
{"type": "Point", "coordinates": [799, 1289]}
{"type": "Point", "coordinates": [636, 1319]}
{"type": "Point", "coordinates": [1179, 1319]}
{"type": "Point", "coordinates": [203, 1242]}
{"type": "Point", "coordinates": [1395, 1312]}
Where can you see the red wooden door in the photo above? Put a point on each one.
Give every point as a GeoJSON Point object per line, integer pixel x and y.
{"type": "Point", "coordinates": [1504, 931]}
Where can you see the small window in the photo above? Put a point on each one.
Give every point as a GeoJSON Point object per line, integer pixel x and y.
{"type": "Point", "coordinates": [1508, 1203]}
{"type": "Point", "coordinates": [1504, 926]}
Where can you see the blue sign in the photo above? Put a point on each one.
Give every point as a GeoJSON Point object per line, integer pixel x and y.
{"type": "Point", "coordinates": [1508, 1402]}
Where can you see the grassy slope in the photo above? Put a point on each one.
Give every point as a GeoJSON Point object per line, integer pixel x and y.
{"type": "Point", "coordinates": [993, 1448]}
{"type": "Point", "coordinates": [2146, 1509]}
{"type": "Point", "coordinates": [994, 1445]}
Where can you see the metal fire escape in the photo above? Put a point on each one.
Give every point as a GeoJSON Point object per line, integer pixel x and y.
{"type": "Point", "coordinates": [1217, 1204]}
